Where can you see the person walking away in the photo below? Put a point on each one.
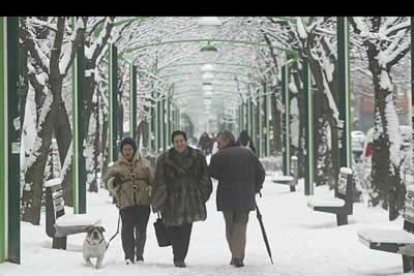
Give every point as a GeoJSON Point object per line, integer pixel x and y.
{"type": "Point", "coordinates": [204, 143]}
{"type": "Point", "coordinates": [241, 176]}
{"type": "Point", "coordinates": [181, 189]}
{"type": "Point", "coordinates": [245, 141]}
{"type": "Point", "coordinates": [130, 179]}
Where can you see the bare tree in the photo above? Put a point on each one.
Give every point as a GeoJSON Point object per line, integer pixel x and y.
{"type": "Point", "coordinates": [51, 54]}
{"type": "Point", "coordinates": [386, 41]}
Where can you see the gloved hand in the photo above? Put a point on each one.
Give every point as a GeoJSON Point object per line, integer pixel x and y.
{"type": "Point", "coordinates": [149, 190]}
{"type": "Point", "coordinates": [117, 180]}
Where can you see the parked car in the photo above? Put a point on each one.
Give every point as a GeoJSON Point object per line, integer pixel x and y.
{"type": "Point", "coordinates": [405, 132]}
{"type": "Point", "coordinates": [366, 166]}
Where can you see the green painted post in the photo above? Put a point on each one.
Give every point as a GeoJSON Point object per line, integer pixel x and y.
{"type": "Point", "coordinates": [245, 115]}
{"type": "Point", "coordinates": [266, 119]}
{"type": "Point", "coordinates": [115, 110]}
{"type": "Point", "coordinates": [150, 125]}
{"type": "Point", "coordinates": [111, 105]}
{"type": "Point", "coordinates": [257, 126]}
{"type": "Point", "coordinates": [344, 92]}
{"type": "Point", "coordinates": [153, 122]}
{"type": "Point", "coordinates": [249, 116]}
{"type": "Point", "coordinates": [3, 135]}
{"type": "Point", "coordinates": [286, 119]}
{"type": "Point", "coordinates": [412, 86]}
{"type": "Point", "coordinates": [81, 102]}
{"type": "Point", "coordinates": [172, 119]}
{"type": "Point", "coordinates": [12, 39]}
{"type": "Point", "coordinates": [158, 129]}
{"type": "Point", "coordinates": [309, 130]}
{"type": "Point", "coordinates": [178, 118]}
{"type": "Point", "coordinates": [239, 118]}
{"type": "Point", "coordinates": [254, 123]}
{"type": "Point", "coordinates": [133, 103]}
{"type": "Point", "coordinates": [260, 118]}
{"type": "Point", "coordinates": [168, 132]}
{"type": "Point", "coordinates": [75, 132]}
{"type": "Point", "coordinates": [162, 117]}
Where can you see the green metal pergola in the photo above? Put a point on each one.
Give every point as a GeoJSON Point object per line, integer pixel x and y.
{"type": "Point", "coordinates": [164, 116]}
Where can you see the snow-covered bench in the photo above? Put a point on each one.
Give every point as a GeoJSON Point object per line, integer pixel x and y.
{"type": "Point", "coordinates": [59, 225]}
{"type": "Point", "coordinates": [291, 180]}
{"type": "Point", "coordinates": [342, 203]}
{"type": "Point", "coordinates": [395, 240]}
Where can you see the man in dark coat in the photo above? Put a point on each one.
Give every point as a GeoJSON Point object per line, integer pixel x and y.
{"type": "Point", "coordinates": [204, 143]}
{"type": "Point", "coordinates": [241, 176]}
{"type": "Point", "coordinates": [181, 189]}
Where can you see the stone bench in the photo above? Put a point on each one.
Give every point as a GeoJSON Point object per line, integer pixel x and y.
{"type": "Point", "coordinates": [292, 179]}
{"type": "Point", "coordinates": [58, 224]}
{"type": "Point", "coordinates": [342, 202]}
{"type": "Point", "coordinates": [399, 241]}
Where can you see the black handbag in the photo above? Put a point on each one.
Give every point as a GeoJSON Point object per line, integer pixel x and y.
{"type": "Point", "coordinates": [162, 233]}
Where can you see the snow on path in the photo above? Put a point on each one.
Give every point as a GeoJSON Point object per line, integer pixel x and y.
{"type": "Point", "coordinates": [303, 242]}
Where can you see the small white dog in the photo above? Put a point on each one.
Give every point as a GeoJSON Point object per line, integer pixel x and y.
{"type": "Point", "coordinates": [94, 245]}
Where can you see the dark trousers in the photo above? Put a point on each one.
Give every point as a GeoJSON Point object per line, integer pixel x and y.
{"type": "Point", "coordinates": [134, 230]}
{"type": "Point", "coordinates": [180, 240]}
{"type": "Point", "coordinates": [236, 226]}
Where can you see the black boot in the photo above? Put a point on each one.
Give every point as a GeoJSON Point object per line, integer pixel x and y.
{"type": "Point", "coordinates": [232, 261]}
{"type": "Point", "coordinates": [180, 264]}
{"type": "Point", "coordinates": [238, 262]}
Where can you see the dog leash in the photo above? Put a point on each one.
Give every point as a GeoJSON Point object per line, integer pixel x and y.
{"type": "Point", "coordinates": [117, 231]}
{"type": "Point", "coordinates": [117, 228]}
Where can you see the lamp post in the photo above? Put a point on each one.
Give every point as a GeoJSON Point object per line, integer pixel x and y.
{"type": "Point", "coordinates": [10, 141]}
{"type": "Point", "coordinates": [309, 153]}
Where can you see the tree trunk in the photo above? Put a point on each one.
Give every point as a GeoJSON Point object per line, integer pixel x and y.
{"type": "Point", "coordinates": [387, 186]}
{"type": "Point", "coordinates": [63, 135]}
{"type": "Point", "coordinates": [35, 171]}
{"type": "Point", "coordinates": [104, 146]}
{"type": "Point", "coordinates": [321, 110]}
{"type": "Point", "coordinates": [94, 143]}
{"type": "Point", "coordinates": [120, 121]}
{"type": "Point", "coordinates": [277, 142]}
{"type": "Point", "coordinates": [142, 133]}
{"type": "Point", "coordinates": [296, 74]}
{"type": "Point", "coordinates": [23, 86]}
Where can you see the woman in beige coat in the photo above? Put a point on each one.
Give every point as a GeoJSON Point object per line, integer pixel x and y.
{"type": "Point", "coordinates": [130, 179]}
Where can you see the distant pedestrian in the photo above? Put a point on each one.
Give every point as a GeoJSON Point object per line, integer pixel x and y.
{"type": "Point", "coordinates": [181, 190]}
{"type": "Point", "coordinates": [241, 176]}
{"type": "Point", "coordinates": [245, 141]}
{"type": "Point", "coordinates": [130, 179]}
{"type": "Point", "coordinates": [204, 143]}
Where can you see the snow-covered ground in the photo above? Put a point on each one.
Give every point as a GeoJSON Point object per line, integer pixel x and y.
{"type": "Point", "coordinates": [303, 242]}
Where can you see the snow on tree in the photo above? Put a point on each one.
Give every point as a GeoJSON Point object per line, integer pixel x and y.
{"type": "Point", "coordinates": [386, 41]}
{"type": "Point", "coordinates": [51, 50]}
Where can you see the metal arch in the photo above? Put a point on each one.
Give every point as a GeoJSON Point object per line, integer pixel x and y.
{"type": "Point", "coordinates": [219, 72]}
{"type": "Point", "coordinates": [202, 63]}
{"type": "Point", "coordinates": [291, 52]}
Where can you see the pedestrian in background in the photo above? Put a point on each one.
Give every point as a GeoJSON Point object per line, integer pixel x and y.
{"type": "Point", "coordinates": [245, 141]}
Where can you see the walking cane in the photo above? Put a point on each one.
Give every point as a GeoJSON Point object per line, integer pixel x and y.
{"type": "Point", "coordinates": [259, 218]}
